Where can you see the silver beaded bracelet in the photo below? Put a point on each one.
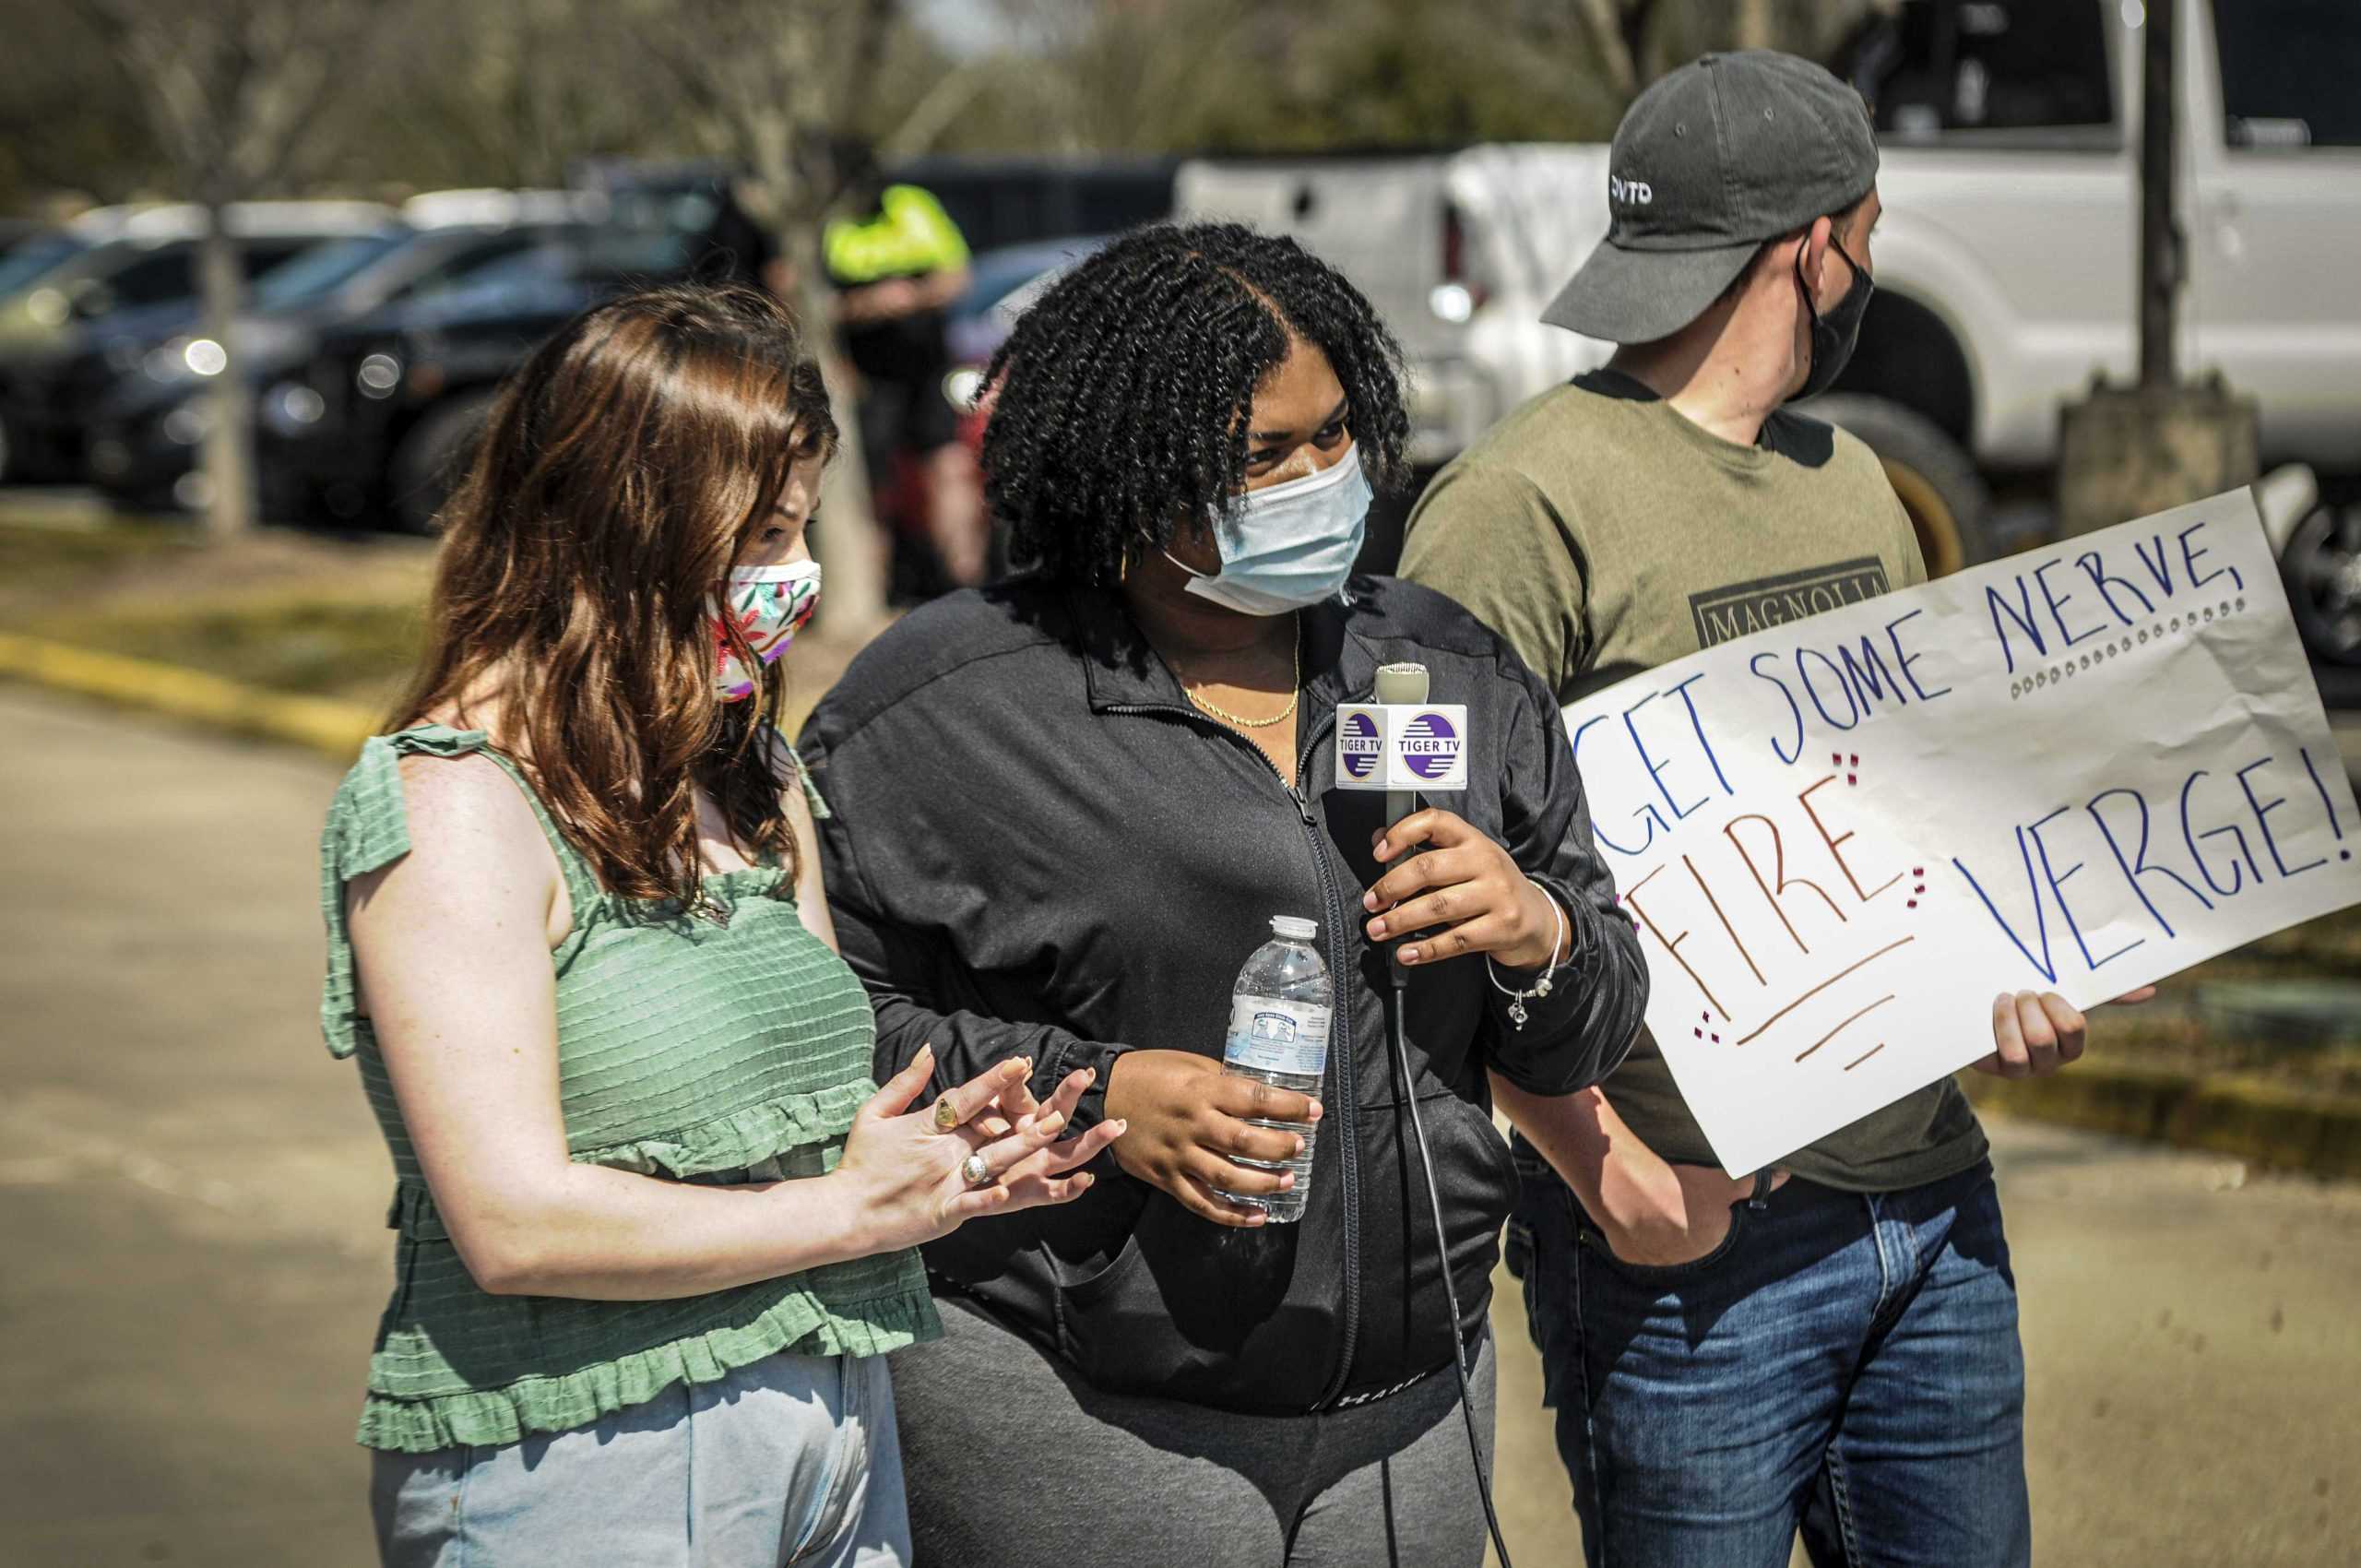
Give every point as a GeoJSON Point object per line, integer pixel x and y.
{"type": "Point", "coordinates": [1540, 988]}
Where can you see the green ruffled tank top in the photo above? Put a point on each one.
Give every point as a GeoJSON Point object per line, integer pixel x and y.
{"type": "Point", "coordinates": [723, 1043]}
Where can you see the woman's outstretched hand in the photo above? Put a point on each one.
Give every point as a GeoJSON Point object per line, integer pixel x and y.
{"type": "Point", "coordinates": [1041, 1178]}
{"type": "Point", "coordinates": [904, 1172]}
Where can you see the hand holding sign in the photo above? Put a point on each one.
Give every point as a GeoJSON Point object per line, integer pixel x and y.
{"type": "Point", "coordinates": [2037, 1033]}
{"type": "Point", "coordinates": [2066, 774]}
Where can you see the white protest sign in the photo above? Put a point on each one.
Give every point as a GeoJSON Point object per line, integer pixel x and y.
{"type": "Point", "coordinates": [2079, 769]}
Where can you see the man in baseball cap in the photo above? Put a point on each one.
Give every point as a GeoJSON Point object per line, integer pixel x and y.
{"type": "Point", "coordinates": [1829, 1346]}
{"type": "Point", "coordinates": [1712, 163]}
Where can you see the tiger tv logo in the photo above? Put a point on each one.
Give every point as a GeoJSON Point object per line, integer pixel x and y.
{"type": "Point", "coordinates": [1430, 745]}
{"type": "Point", "coordinates": [1360, 745]}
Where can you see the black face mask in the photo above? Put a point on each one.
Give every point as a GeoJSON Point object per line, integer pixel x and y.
{"type": "Point", "coordinates": [1834, 335]}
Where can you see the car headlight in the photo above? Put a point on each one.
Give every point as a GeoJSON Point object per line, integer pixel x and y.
{"type": "Point", "coordinates": [262, 346]}
{"type": "Point", "coordinates": [186, 359]}
{"type": "Point", "coordinates": [379, 375]}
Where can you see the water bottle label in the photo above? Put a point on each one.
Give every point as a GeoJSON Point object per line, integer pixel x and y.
{"type": "Point", "coordinates": [1270, 1035]}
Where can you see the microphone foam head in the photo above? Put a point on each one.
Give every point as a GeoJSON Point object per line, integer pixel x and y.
{"type": "Point", "coordinates": [1401, 682]}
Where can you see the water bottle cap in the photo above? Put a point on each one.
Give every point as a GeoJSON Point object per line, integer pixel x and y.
{"type": "Point", "coordinates": [1295, 928]}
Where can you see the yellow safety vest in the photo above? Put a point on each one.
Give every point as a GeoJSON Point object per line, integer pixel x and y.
{"type": "Point", "coordinates": [909, 236]}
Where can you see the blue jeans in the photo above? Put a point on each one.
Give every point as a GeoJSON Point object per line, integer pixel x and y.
{"type": "Point", "coordinates": [1846, 1364]}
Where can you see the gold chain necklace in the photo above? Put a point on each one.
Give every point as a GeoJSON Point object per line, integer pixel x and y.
{"type": "Point", "coordinates": [1294, 694]}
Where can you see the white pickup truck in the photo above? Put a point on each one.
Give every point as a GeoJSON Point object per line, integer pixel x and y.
{"type": "Point", "coordinates": [2006, 262]}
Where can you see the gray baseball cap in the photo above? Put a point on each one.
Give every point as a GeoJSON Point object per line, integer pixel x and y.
{"type": "Point", "coordinates": [1713, 160]}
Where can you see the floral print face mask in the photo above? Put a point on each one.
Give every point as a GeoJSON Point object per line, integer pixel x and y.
{"type": "Point", "coordinates": [767, 605]}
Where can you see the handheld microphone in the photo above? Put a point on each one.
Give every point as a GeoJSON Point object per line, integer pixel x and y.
{"type": "Point", "coordinates": [1402, 743]}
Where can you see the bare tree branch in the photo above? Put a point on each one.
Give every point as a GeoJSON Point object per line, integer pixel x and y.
{"type": "Point", "coordinates": [933, 114]}
{"type": "Point", "coordinates": [233, 91]}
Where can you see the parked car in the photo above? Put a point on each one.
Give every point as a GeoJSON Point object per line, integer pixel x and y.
{"type": "Point", "coordinates": [2321, 564]}
{"type": "Point", "coordinates": [376, 423]}
{"type": "Point", "coordinates": [145, 429]}
{"type": "Point", "coordinates": [30, 257]}
{"type": "Point", "coordinates": [48, 383]}
{"type": "Point", "coordinates": [34, 257]}
{"type": "Point", "coordinates": [2006, 262]}
{"type": "Point", "coordinates": [16, 233]}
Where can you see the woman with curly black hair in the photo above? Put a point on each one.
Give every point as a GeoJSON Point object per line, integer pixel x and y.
{"type": "Point", "coordinates": [1075, 800]}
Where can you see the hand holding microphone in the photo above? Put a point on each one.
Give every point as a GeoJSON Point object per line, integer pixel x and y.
{"type": "Point", "coordinates": [1463, 893]}
{"type": "Point", "coordinates": [1464, 889]}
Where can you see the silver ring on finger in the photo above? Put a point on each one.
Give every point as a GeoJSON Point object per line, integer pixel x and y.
{"type": "Point", "coordinates": [976, 1171]}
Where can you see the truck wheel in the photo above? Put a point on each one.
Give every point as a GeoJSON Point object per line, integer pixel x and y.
{"type": "Point", "coordinates": [2322, 568]}
{"type": "Point", "coordinates": [1936, 481]}
{"type": "Point", "coordinates": [429, 459]}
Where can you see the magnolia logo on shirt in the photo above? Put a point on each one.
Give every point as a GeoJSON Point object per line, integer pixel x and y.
{"type": "Point", "coordinates": [1736, 610]}
{"type": "Point", "coordinates": [1430, 745]}
{"type": "Point", "coordinates": [1360, 745]}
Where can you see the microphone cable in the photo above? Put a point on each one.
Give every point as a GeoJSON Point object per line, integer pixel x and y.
{"type": "Point", "coordinates": [1407, 683]}
{"type": "Point", "coordinates": [1395, 1030]}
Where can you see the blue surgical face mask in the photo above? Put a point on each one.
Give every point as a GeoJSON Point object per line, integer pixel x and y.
{"type": "Point", "coordinates": [1290, 545]}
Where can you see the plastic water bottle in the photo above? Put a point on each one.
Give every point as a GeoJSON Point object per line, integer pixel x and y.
{"type": "Point", "coordinates": [1278, 1035]}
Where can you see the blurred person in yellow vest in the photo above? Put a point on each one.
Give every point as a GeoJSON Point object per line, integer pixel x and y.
{"type": "Point", "coordinates": [897, 261]}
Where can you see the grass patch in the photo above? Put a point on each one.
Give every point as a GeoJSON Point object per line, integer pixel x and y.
{"type": "Point", "coordinates": [355, 650]}
{"type": "Point", "coordinates": [285, 610]}
{"type": "Point", "coordinates": [38, 562]}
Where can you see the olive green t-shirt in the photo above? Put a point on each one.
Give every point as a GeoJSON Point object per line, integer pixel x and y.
{"type": "Point", "coordinates": [1602, 533]}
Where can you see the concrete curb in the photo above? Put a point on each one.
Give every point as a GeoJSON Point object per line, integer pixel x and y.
{"type": "Point", "coordinates": [2262, 1123]}
{"type": "Point", "coordinates": [333, 729]}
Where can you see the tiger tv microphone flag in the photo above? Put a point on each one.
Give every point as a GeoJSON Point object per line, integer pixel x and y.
{"type": "Point", "coordinates": [1402, 742]}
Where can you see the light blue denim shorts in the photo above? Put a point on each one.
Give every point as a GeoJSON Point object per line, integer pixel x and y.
{"type": "Point", "coordinates": [792, 1460]}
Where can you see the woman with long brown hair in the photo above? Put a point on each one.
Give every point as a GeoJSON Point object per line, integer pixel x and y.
{"type": "Point", "coordinates": [655, 1220]}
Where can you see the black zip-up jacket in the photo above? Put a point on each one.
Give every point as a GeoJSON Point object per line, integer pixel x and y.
{"type": "Point", "coordinates": [1039, 848]}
